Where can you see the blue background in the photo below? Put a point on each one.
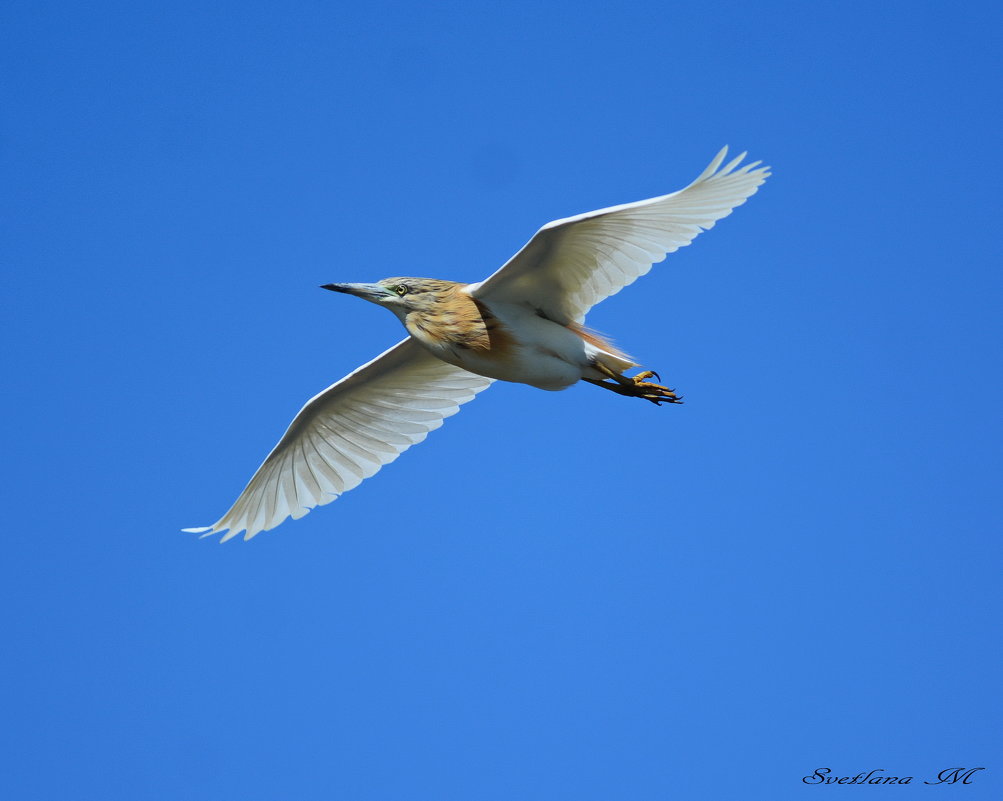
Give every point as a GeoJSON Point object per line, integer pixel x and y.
{"type": "Point", "coordinates": [559, 595]}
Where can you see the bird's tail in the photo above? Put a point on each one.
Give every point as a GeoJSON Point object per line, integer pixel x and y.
{"type": "Point", "coordinates": [602, 350]}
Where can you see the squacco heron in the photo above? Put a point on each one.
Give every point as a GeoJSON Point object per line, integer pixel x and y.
{"type": "Point", "coordinates": [524, 324]}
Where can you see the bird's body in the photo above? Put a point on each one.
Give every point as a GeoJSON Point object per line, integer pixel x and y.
{"type": "Point", "coordinates": [505, 341]}
{"type": "Point", "coordinates": [523, 324]}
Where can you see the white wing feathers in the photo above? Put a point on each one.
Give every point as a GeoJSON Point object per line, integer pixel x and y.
{"type": "Point", "coordinates": [347, 433]}
{"type": "Point", "coordinates": [570, 265]}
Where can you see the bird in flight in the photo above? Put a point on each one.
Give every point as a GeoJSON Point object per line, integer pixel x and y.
{"type": "Point", "coordinates": [524, 324]}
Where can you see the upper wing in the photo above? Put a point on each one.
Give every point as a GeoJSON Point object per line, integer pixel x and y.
{"type": "Point", "coordinates": [572, 264]}
{"type": "Point", "coordinates": [347, 433]}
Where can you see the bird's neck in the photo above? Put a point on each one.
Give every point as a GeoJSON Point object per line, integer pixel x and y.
{"type": "Point", "coordinates": [457, 321]}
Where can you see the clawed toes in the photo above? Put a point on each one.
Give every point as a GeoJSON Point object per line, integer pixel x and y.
{"type": "Point", "coordinates": [658, 400]}
{"type": "Point", "coordinates": [658, 389]}
{"type": "Point", "coordinates": [636, 386]}
{"type": "Point", "coordinates": [659, 394]}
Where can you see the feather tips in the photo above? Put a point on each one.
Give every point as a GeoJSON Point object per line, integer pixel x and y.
{"type": "Point", "coordinates": [347, 433]}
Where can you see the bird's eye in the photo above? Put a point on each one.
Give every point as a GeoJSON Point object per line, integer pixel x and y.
{"type": "Point", "coordinates": [401, 289]}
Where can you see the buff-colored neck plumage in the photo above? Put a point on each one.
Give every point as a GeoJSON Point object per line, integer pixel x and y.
{"type": "Point", "coordinates": [442, 316]}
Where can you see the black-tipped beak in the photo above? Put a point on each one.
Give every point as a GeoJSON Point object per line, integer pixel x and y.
{"type": "Point", "coordinates": [371, 292]}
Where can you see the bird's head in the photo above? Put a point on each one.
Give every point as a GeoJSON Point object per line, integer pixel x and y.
{"type": "Point", "coordinates": [402, 295]}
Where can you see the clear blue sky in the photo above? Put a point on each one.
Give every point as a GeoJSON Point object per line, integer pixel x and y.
{"type": "Point", "coordinates": [558, 595]}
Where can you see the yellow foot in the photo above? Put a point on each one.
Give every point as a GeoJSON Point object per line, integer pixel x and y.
{"type": "Point", "coordinates": [655, 393]}
{"type": "Point", "coordinates": [635, 387]}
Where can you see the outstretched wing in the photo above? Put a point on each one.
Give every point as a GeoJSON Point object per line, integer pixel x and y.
{"type": "Point", "coordinates": [572, 264]}
{"type": "Point", "coordinates": [347, 433]}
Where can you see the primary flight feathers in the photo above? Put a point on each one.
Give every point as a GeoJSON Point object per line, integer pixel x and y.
{"type": "Point", "coordinates": [347, 433]}
{"type": "Point", "coordinates": [367, 419]}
